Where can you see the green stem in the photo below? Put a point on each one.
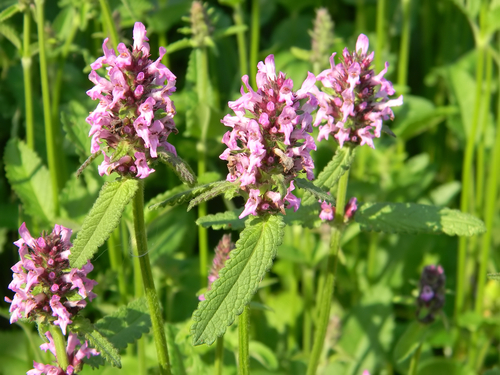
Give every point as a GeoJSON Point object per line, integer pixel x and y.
{"type": "Point", "coordinates": [116, 261]}
{"type": "Point", "coordinates": [360, 16]}
{"type": "Point", "coordinates": [108, 22]}
{"type": "Point", "coordinates": [465, 198]}
{"type": "Point", "coordinates": [489, 214]}
{"type": "Point", "coordinates": [28, 92]}
{"type": "Point", "coordinates": [202, 86]}
{"type": "Point", "coordinates": [243, 328]}
{"type": "Point", "coordinates": [148, 282]}
{"type": "Point", "coordinates": [308, 292]}
{"type": "Point", "coordinates": [240, 37]}
{"type": "Point", "coordinates": [380, 35]}
{"type": "Point", "coordinates": [219, 356]}
{"type": "Point", "coordinates": [60, 344]}
{"type": "Point", "coordinates": [404, 49]}
{"type": "Point", "coordinates": [372, 256]}
{"type": "Point", "coordinates": [480, 162]}
{"type": "Point", "coordinates": [324, 301]}
{"type": "Point", "coordinates": [254, 41]}
{"type": "Point", "coordinates": [414, 361]}
{"type": "Point", "coordinates": [50, 133]}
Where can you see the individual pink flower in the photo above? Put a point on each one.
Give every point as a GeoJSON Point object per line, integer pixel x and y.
{"type": "Point", "coordinates": [269, 137]}
{"type": "Point", "coordinates": [327, 212]}
{"type": "Point", "coordinates": [75, 357]}
{"type": "Point", "coordinates": [134, 109]}
{"type": "Point", "coordinates": [356, 100]}
{"type": "Point", "coordinates": [44, 284]}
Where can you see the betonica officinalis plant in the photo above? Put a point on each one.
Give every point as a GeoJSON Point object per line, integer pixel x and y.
{"type": "Point", "coordinates": [342, 162]}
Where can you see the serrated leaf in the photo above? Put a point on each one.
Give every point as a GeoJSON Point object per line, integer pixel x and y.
{"type": "Point", "coordinates": [127, 324]}
{"type": "Point", "coordinates": [30, 179]}
{"type": "Point", "coordinates": [410, 340]}
{"type": "Point", "coordinates": [99, 341]}
{"type": "Point", "coordinates": [340, 163]}
{"type": "Point", "coordinates": [10, 33]}
{"type": "Point", "coordinates": [314, 190]}
{"type": "Point", "coordinates": [217, 188]}
{"type": "Point", "coordinates": [179, 166]}
{"type": "Point", "coordinates": [223, 220]}
{"type": "Point", "coordinates": [417, 218]}
{"type": "Point", "coordinates": [103, 218]}
{"type": "Point", "coordinates": [9, 12]}
{"type": "Point", "coordinates": [239, 279]}
{"type": "Point", "coordinates": [185, 196]}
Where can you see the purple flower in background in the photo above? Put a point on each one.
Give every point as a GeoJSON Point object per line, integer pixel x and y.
{"type": "Point", "coordinates": [431, 297]}
{"type": "Point", "coordinates": [355, 101]}
{"type": "Point", "coordinates": [135, 112]}
{"type": "Point", "coordinates": [75, 357]}
{"type": "Point", "coordinates": [269, 143]}
{"type": "Point", "coordinates": [222, 251]}
{"type": "Point", "coordinates": [43, 281]}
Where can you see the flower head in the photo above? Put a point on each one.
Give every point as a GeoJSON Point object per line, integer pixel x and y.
{"type": "Point", "coordinates": [432, 293]}
{"type": "Point", "coordinates": [355, 101]}
{"type": "Point", "coordinates": [134, 116]}
{"type": "Point", "coordinates": [43, 281]}
{"type": "Point", "coordinates": [269, 143]}
{"type": "Point", "coordinates": [75, 357]}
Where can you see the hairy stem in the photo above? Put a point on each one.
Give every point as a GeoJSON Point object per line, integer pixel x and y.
{"type": "Point", "coordinates": [60, 344]}
{"type": "Point", "coordinates": [28, 91]}
{"type": "Point", "coordinates": [243, 328]}
{"type": "Point", "coordinates": [148, 282]}
{"type": "Point", "coordinates": [254, 41]}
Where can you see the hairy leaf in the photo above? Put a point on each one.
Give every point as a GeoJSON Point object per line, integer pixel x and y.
{"type": "Point", "coordinates": [77, 131]}
{"type": "Point", "coordinates": [186, 195]}
{"type": "Point", "coordinates": [416, 218]}
{"type": "Point", "coordinates": [99, 341]}
{"type": "Point", "coordinates": [314, 190]}
{"type": "Point", "coordinates": [103, 218]}
{"type": "Point", "coordinates": [218, 188]}
{"type": "Point", "coordinates": [239, 279]}
{"type": "Point", "coordinates": [179, 166]}
{"type": "Point", "coordinates": [223, 220]}
{"type": "Point", "coordinates": [340, 163]}
{"type": "Point", "coordinates": [11, 34]}
{"type": "Point", "coordinates": [30, 179]}
{"type": "Point", "coordinates": [9, 12]}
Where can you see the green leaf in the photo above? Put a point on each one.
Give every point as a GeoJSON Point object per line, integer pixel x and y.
{"type": "Point", "coordinates": [239, 279]}
{"type": "Point", "coordinates": [218, 188]}
{"type": "Point", "coordinates": [99, 341]}
{"type": "Point", "coordinates": [187, 195]}
{"type": "Point", "coordinates": [417, 218]}
{"type": "Point", "coordinates": [494, 276]}
{"type": "Point", "coordinates": [9, 12]}
{"type": "Point", "coordinates": [30, 179]}
{"type": "Point", "coordinates": [77, 130]}
{"type": "Point", "coordinates": [10, 33]}
{"type": "Point", "coordinates": [179, 166]}
{"type": "Point", "coordinates": [127, 324]}
{"type": "Point", "coordinates": [440, 366]}
{"type": "Point", "coordinates": [263, 354]}
{"type": "Point", "coordinates": [314, 190]}
{"type": "Point", "coordinates": [335, 169]}
{"type": "Point", "coordinates": [223, 220]}
{"type": "Point", "coordinates": [410, 341]}
{"type": "Point", "coordinates": [121, 150]}
{"type": "Point", "coordinates": [103, 218]}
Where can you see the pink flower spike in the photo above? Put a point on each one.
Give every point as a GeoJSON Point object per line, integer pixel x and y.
{"type": "Point", "coordinates": [362, 44]}
{"type": "Point", "coordinates": [307, 85]}
{"type": "Point", "coordinates": [327, 211]}
{"type": "Point", "coordinates": [60, 311]}
{"type": "Point", "coordinates": [26, 236]}
{"type": "Point", "coordinates": [293, 201]}
{"type": "Point", "coordinates": [351, 208]}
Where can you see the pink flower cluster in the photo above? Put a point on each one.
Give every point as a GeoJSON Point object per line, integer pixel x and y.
{"type": "Point", "coordinates": [222, 250]}
{"type": "Point", "coordinates": [43, 281]}
{"type": "Point", "coordinates": [269, 142]}
{"type": "Point", "coordinates": [75, 357]}
{"type": "Point", "coordinates": [328, 211]}
{"type": "Point", "coordinates": [135, 111]}
{"type": "Point", "coordinates": [355, 101]}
